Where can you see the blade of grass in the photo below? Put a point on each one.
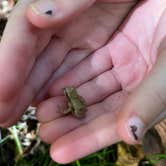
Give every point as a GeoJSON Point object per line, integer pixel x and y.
{"type": "Point", "coordinates": [155, 158]}
{"type": "Point", "coordinates": [2, 141]}
{"type": "Point", "coordinates": [78, 163]}
{"type": "Point", "coordinates": [14, 133]}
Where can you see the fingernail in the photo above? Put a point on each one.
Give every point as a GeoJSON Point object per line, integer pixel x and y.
{"type": "Point", "coordinates": [46, 7]}
{"type": "Point", "coordinates": [136, 128]}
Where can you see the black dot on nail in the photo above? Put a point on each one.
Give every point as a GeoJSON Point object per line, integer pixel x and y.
{"type": "Point", "coordinates": [49, 12]}
{"type": "Point", "coordinates": [133, 130]}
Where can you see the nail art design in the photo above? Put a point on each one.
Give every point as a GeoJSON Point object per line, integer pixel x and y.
{"type": "Point", "coordinates": [136, 128]}
{"type": "Point", "coordinates": [47, 7]}
{"type": "Point", "coordinates": [49, 12]}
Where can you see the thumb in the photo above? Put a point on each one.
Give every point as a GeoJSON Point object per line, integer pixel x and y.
{"type": "Point", "coordinates": [146, 106]}
{"type": "Point", "coordinates": [48, 13]}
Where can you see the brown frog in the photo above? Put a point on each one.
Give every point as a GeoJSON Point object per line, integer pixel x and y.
{"type": "Point", "coordinates": [76, 103]}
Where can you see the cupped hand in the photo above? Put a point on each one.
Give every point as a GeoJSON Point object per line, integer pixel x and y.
{"type": "Point", "coordinates": [29, 56]}
{"type": "Point", "coordinates": [108, 81]}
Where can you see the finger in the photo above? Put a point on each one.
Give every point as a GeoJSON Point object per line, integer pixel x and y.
{"type": "Point", "coordinates": [93, 91]}
{"type": "Point", "coordinates": [100, 87]}
{"type": "Point", "coordinates": [45, 65]}
{"type": "Point", "coordinates": [18, 54]}
{"type": "Point", "coordinates": [73, 58]}
{"type": "Point", "coordinates": [59, 126]}
{"type": "Point", "coordinates": [146, 106]}
{"type": "Point", "coordinates": [101, 132]}
{"type": "Point", "coordinates": [49, 110]}
{"type": "Point", "coordinates": [46, 13]}
{"type": "Point", "coordinates": [9, 47]}
{"type": "Point", "coordinates": [92, 66]}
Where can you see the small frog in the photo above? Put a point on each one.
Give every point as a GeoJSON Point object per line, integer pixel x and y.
{"type": "Point", "coordinates": [76, 103]}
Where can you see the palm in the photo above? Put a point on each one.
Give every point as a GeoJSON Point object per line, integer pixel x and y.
{"type": "Point", "coordinates": [34, 61]}
{"type": "Point", "coordinates": [104, 79]}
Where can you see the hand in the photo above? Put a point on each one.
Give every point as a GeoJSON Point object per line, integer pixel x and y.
{"type": "Point", "coordinates": [107, 80]}
{"type": "Point", "coordinates": [29, 55]}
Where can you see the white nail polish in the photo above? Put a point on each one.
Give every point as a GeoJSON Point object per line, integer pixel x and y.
{"type": "Point", "coordinates": [44, 7]}
{"type": "Point", "coordinates": [136, 128]}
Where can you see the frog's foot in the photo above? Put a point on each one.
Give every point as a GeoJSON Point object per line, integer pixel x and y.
{"type": "Point", "coordinates": [65, 111]}
{"type": "Point", "coordinates": [80, 114]}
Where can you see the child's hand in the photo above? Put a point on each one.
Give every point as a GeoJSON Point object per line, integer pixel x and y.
{"type": "Point", "coordinates": [51, 13]}
{"type": "Point", "coordinates": [29, 56]}
{"type": "Point", "coordinates": [106, 80]}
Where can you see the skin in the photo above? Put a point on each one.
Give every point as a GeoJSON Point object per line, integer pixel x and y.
{"type": "Point", "coordinates": [106, 82]}
{"type": "Point", "coordinates": [31, 63]}
{"type": "Point", "coordinates": [107, 71]}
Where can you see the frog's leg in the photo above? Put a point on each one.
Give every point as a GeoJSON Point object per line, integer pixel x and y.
{"type": "Point", "coordinates": [68, 110]}
{"type": "Point", "coordinates": [82, 100]}
{"type": "Point", "coordinates": [80, 114]}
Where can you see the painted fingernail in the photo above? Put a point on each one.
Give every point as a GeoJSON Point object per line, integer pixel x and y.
{"type": "Point", "coordinates": [136, 128]}
{"type": "Point", "coordinates": [46, 7]}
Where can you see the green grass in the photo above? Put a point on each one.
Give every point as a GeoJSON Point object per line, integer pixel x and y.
{"type": "Point", "coordinates": [12, 153]}
{"type": "Point", "coordinates": [43, 159]}
{"type": "Point", "coordinates": [156, 158]}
